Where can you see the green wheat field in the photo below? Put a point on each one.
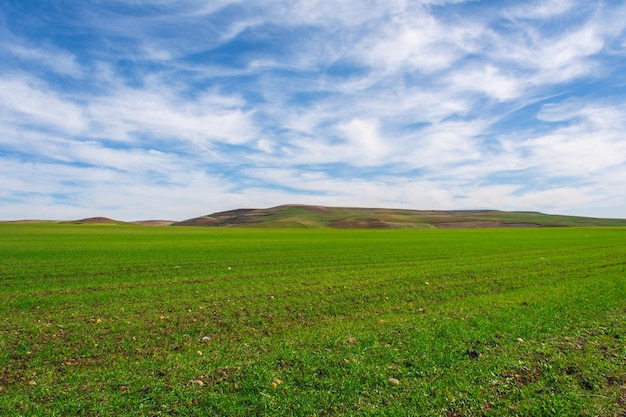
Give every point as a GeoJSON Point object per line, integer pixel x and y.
{"type": "Point", "coordinates": [99, 320]}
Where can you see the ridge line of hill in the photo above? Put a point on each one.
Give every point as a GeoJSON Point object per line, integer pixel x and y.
{"type": "Point", "coordinates": [317, 216]}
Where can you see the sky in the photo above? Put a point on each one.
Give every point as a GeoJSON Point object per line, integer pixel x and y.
{"type": "Point", "coordinates": [173, 109]}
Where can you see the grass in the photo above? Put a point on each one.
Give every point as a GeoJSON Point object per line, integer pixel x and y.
{"type": "Point", "coordinates": [129, 320]}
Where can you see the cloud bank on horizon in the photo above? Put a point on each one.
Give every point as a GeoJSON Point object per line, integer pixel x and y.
{"type": "Point", "coordinates": [173, 109]}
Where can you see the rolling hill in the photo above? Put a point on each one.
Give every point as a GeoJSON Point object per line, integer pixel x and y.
{"type": "Point", "coordinates": [316, 217]}
{"type": "Point", "coordinates": [310, 216]}
{"type": "Point", "coordinates": [95, 220]}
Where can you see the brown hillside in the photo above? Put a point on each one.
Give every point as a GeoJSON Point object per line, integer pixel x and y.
{"type": "Point", "coordinates": [95, 220]}
{"type": "Point", "coordinates": [315, 216]}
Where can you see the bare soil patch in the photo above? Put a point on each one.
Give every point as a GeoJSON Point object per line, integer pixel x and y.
{"type": "Point", "coordinates": [154, 222]}
{"type": "Point", "coordinates": [359, 224]}
{"type": "Point", "coordinates": [482, 225]}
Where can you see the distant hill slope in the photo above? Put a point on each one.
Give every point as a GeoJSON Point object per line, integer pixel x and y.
{"type": "Point", "coordinates": [95, 220]}
{"type": "Point", "coordinates": [153, 222]}
{"type": "Point", "coordinates": [106, 220]}
{"type": "Point", "coordinates": [308, 216]}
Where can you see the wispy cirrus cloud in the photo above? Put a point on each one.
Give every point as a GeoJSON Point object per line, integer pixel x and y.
{"type": "Point", "coordinates": [28, 101]}
{"type": "Point", "coordinates": [426, 104]}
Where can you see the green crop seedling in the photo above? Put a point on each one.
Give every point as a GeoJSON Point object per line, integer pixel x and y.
{"type": "Point", "coordinates": [127, 320]}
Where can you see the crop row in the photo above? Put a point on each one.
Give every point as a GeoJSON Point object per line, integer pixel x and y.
{"type": "Point", "coordinates": [98, 320]}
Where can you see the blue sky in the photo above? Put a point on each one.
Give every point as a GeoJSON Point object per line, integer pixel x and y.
{"type": "Point", "coordinates": [162, 109]}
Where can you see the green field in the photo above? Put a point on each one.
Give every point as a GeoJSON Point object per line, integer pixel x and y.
{"type": "Point", "coordinates": [128, 320]}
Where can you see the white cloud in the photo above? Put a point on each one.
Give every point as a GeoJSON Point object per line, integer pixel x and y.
{"type": "Point", "coordinates": [575, 151]}
{"type": "Point", "coordinates": [59, 61]}
{"type": "Point", "coordinates": [424, 104]}
{"type": "Point", "coordinates": [557, 53]}
{"type": "Point", "coordinates": [541, 9]}
{"type": "Point", "coordinates": [80, 191]}
{"type": "Point", "coordinates": [599, 115]}
{"type": "Point", "coordinates": [129, 113]}
{"type": "Point", "coordinates": [265, 145]}
{"type": "Point", "coordinates": [585, 146]}
{"type": "Point", "coordinates": [364, 141]}
{"type": "Point", "coordinates": [26, 101]}
{"type": "Point", "coordinates": [418, 41]}
{"type": "Point", "coordinates": [488, 80]}
{"type": "Point", "coordinates": [347, 13]}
